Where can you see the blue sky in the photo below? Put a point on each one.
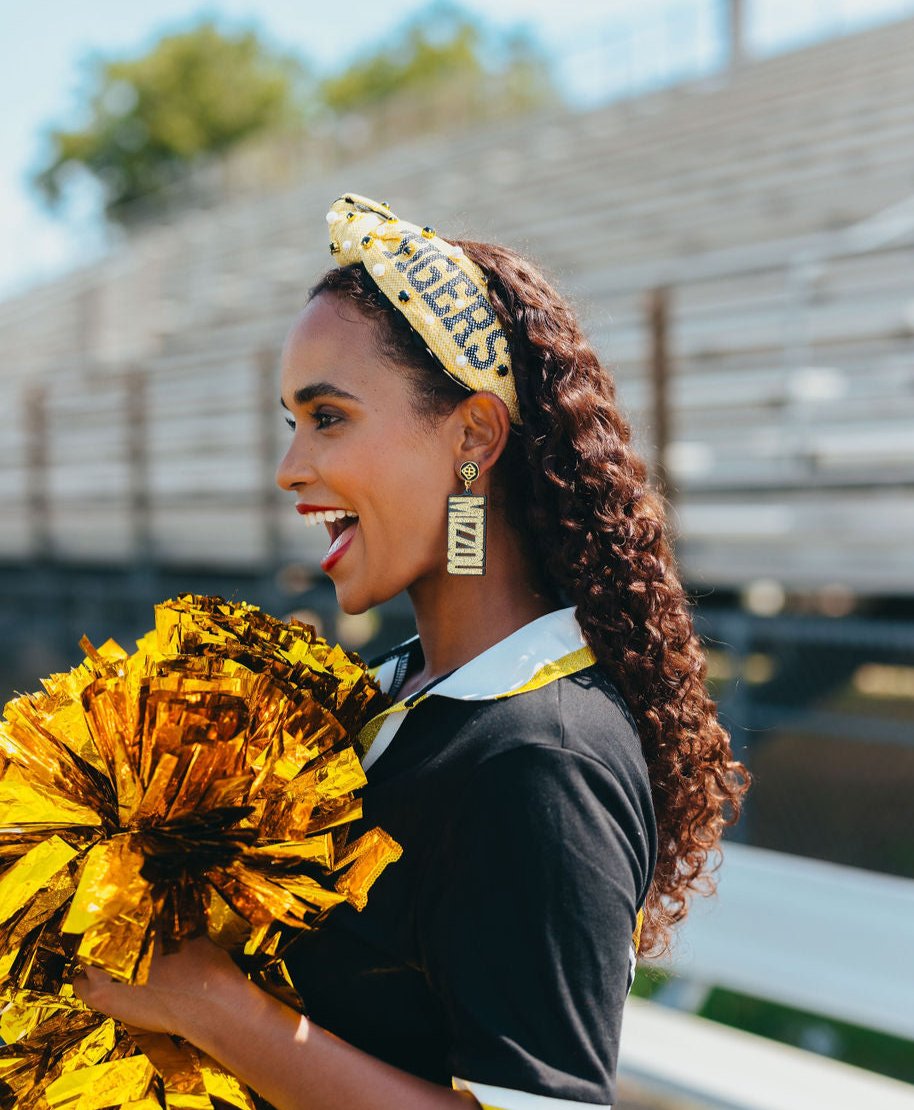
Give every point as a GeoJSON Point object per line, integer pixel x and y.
{"type": "Point", "coordinates": [44, 42]}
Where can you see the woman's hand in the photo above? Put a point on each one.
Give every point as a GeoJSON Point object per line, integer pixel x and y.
{"type": "Point", "coordinates": [182, 994]}
{"type": "Point", "coordinates": [200, 994]}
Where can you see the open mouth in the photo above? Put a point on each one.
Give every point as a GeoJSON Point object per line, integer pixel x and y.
{"type": "Point", "coordinates": [342, 523]}
{"type": "Point", "coordinates": [341, 526]}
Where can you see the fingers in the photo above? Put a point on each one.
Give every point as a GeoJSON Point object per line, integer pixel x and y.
{"type": "Point", "coordinates": [82, 988]}
{"type": "Point", "coordinates": [88, 982]}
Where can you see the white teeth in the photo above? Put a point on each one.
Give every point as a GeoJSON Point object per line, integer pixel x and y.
{"type": "Point", "coordinates": [327, 516]}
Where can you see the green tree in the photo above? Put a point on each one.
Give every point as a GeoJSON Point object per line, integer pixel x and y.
{"type": "Point", "coordinates": [442, 48]}
{"type": "Point", "coordinates": [196, 93]}
{"type": "Point", "coordinates": [199, 93]}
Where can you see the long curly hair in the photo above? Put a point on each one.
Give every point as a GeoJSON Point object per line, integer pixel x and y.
{"type": "Point", "coordinates": [594, 529]}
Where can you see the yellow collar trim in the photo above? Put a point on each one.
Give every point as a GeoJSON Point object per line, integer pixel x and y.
{"type": "Point", "coordinates": [569, 664]}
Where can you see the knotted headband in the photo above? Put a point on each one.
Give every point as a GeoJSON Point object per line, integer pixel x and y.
{"type": "Point", "coordinates": [435, 286]}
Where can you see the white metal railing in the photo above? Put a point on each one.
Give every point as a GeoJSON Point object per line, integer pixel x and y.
{"type": "Point", "coordinates": [826, 938]}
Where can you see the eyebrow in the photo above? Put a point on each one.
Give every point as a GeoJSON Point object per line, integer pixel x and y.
{"type": "Point", "coordinates": [308, 393]}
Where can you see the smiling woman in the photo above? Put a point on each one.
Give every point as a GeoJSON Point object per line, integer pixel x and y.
{"type": "Point", "coordinates": [551, 761]}
{"type": "Point", "coordinates": [359, 448]}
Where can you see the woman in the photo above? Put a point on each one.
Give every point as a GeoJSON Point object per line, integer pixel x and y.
{"type": "Point", "coordinates": [552, 764]}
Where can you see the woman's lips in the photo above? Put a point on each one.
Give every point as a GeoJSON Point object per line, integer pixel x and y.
{"type": "Point", "coordinates": [339, 546]}
{"type": "Point", "coordinates": [341, 526]}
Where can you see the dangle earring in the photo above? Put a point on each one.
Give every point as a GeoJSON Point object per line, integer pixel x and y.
{"type": "Point", "coordinates": [466, 526]}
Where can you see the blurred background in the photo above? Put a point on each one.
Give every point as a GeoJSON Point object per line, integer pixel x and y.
{"type": "Point", "coordinates": [726, 191]}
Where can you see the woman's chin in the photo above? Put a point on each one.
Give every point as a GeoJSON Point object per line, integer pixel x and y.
{"type": "Point", "coordinates": [354, 600]}
{"type": "Point", "coordinates": [351, 608]}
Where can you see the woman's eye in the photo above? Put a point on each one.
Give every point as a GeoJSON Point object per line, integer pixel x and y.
{"type": "Point", "coordinates": [290, 422]}
{"type": "Point", "coordinates": [324, 420]}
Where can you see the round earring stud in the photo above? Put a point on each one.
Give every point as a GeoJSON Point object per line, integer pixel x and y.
{"type": "Point", "coordinates": [469, 472]}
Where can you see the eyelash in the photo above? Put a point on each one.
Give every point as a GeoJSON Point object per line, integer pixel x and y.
{"type": "Point", "coordinates": [319, 419]}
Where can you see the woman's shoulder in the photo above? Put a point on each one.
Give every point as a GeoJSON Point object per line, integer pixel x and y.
{"type": "Point", "coordinates": [560, 762]}
{"type": "Point", "coordinates": [583, 713]}
{"type": "Point", "coordinates": [539, 689]}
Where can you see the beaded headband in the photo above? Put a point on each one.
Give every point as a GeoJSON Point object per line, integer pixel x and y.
{"type": "Point", "coordinates": [435, 286]}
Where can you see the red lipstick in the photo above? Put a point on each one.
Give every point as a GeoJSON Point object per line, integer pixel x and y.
{"type": "Point", "coordinates": [339, 547]}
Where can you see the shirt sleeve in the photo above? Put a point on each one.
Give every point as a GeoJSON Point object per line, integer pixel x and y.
{"type": "Point", "coordinates": [526, 924]}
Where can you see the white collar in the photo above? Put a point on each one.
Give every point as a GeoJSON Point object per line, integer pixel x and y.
{"type": "Point", "coordinates": [538, 653]}
{"type": "Point", "coordinates": [509, 664]}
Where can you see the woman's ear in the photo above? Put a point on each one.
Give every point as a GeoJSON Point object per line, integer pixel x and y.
{"type": "Point", "coordinates": [482, 427]}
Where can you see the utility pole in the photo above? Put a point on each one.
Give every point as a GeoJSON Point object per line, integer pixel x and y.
{"type": "Point", "coordinates": [37, 491]}
{"type": "Point", "coordinates": [269, 455]}
{"type": "Point", "coordinates": [658, 311]}
{"type": "Point", "coordinates": [736, 28]}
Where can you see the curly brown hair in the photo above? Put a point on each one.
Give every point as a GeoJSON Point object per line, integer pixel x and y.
{"type": "Point", "coordinates": [578, 493]}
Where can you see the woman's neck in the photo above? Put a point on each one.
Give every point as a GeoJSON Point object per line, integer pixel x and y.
{"type": "Point", "coordinates": [458, 617]}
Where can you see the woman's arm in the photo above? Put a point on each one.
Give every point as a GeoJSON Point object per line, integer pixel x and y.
{"type": "Point", "coordinates": [200, 994]}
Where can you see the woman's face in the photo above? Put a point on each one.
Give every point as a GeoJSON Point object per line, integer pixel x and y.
{"type": "Point", "coordinates": [360, 453]}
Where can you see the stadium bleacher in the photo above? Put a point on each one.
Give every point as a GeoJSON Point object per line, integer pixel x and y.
{"type": "Point", "coordinates": [793, 349]}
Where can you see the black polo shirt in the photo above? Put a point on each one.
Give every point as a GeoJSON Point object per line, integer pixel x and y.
{"type": "Point", "coordinates": [496, 954]}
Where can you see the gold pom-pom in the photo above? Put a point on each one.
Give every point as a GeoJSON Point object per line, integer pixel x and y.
{"type": "Point", "coordinates": [203, 784]}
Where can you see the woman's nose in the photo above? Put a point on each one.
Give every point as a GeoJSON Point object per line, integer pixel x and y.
{"type": "Point", "coordinates": [294, 470]}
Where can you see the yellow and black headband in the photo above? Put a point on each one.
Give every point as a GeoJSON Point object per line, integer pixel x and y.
{"type": "Point", "coordinates": [435, 286]}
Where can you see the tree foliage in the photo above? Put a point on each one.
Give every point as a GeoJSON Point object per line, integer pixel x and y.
{"type": "Point", "coordinates": [436, 50]}
{"type": "Point", "coordinates": [195, 93]}
{"type": "Point", "coordinates": [201, 92]}
{"type": "Point", "coordinates": [418, 57]}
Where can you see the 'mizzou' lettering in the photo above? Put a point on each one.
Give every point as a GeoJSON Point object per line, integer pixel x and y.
{"type": "Point", "coordinates": [466, 534]}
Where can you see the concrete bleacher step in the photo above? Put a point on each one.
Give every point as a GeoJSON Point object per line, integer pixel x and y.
{"type": "Point", "coordinates": [850, 961]}
{"type": "Point", "coordinates": [693, 1062]}
{"type": "Point", "coordinates": [820, 937]}
{"type": "Point", "coordinates": [852, 130]}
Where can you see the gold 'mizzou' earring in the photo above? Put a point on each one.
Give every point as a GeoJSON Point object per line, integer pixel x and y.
{"type": "Point", "coordinates": [466, 526]}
